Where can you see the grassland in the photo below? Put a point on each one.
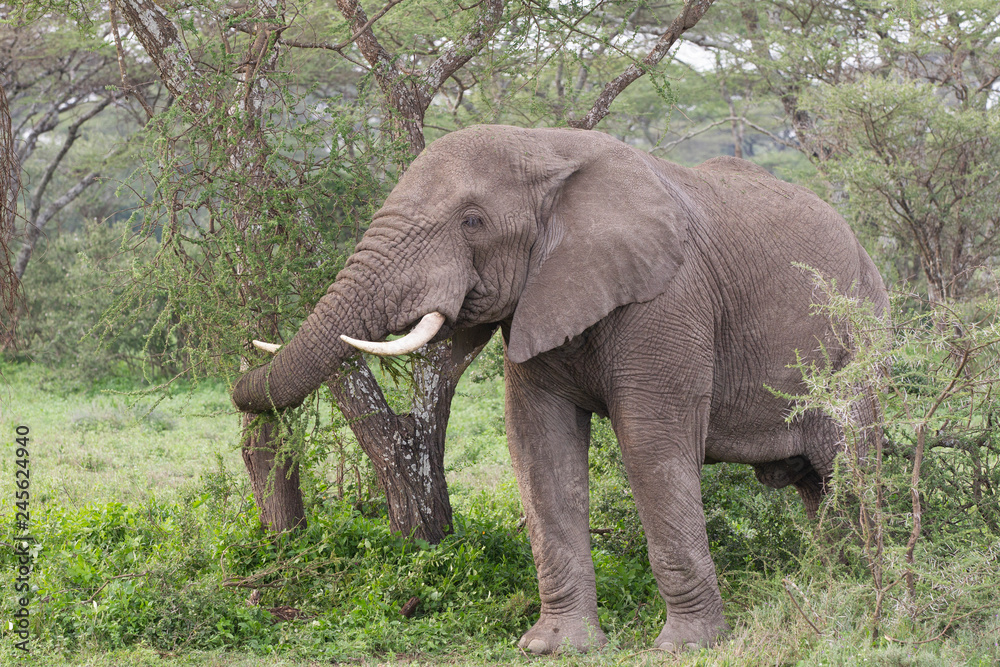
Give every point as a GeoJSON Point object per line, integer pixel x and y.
{"type": "Point", "coordinates": [148, 551]}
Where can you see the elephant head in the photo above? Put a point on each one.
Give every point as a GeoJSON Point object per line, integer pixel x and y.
{"type": "Point", "coordinates": [548, 230]}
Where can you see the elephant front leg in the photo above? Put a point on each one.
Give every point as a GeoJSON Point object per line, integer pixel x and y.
{"type": "Point", "coordinates": [663, 458]}
{"type": "Point", "coordinates": [548, 439]}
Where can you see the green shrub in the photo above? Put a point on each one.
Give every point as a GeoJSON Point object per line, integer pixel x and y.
{"type": "Point", "coordinates": [68, 286]}
{"type": "Point", "coordinates": [907, 517]}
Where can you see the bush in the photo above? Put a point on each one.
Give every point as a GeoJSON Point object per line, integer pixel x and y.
{"type": "Point", "coordinates": [907, 515]}
{"type": "Point", "coordinates": [179, 576]}
{"type": "Point", "coordinates": [68, 287]}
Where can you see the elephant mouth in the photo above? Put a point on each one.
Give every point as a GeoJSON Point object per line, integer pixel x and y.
{"type": "Point", "coordinates": [426, 329]}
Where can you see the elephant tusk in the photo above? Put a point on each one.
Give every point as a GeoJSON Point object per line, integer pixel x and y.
{"type": "Point", "coordinates": [429, 325]}
{"type": "Point", "coordinates": [267, 347]}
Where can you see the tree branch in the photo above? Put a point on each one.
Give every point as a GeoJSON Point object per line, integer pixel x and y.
{"type": "Point", "coordinates": [34, 230]}
{"type": "Point", "coordinates": [405, 102]}
{"type": "Point", "coordinates": [339, 47]}
{"type": "Point", "coordinates": [46, 123]}
{"type": "Point", "coordinates": [160, 39]}
{"type": "Point", "coordinates": [689, 16]}
{"type": "Point", "coordinates": [711, 42]}
{"type": "Point", "coordinates": [692, 134]}
{"type": "Point", "coordinates": [385, 70]}
{"type": "Point", "coordinates": [462, 51]}
{"type": "Point", "coordinates": [127, 86]}
{"type": "Point", "coordinates": [261, 57]}
{"type": "Point", "coordinates": [72, 134]}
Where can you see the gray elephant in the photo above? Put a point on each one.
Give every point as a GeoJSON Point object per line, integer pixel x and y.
{"type": "Point", "coordinates": [660, 296]}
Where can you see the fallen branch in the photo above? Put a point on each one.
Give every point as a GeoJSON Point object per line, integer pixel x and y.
{"type": "Point", "coordinates": [786, 583]}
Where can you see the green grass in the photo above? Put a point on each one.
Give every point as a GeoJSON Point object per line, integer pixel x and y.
{"type": "Point", "coordinates": [100, 445]}
{"type": "Point", "coordinates": [149, 550]}
{"type": "Point", "coordinates": [476, 455]}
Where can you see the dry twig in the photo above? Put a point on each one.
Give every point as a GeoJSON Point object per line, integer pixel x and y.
{"type": "Point", "coordinates": [786, 583]}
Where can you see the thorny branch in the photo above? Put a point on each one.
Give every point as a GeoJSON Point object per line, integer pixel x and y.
{"type": "Point", "coordinates": [688, 17]}
{"type": "Point", "coordinates": [340, 46]}
{"type": "Point", "coordinates": [786, 583]}
{"type": "Point", "coordinates": [408, 94]}
{"type": "Point", "coordinates": [162, 43]}
{"type": "Point", "coordinates": [918, 456]}
{"type": "Point", "coordinates": [128, 87]}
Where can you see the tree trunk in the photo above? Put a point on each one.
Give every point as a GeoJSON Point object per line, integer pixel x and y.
{"type": "Point", "coordinates": [275, 483]}
{"type": "Point", "coordinates": [36, 224]}
{"type": "Point", "coordinates": [275, 486]}
{"type": "Point", "coordinates": [407, 451]}
{"type": "Point", "coordinates": [409, 465]}
{"type": "Point", "coordinates": [277, 493]}
{"type": "Point", "coordinates": [10, 187]}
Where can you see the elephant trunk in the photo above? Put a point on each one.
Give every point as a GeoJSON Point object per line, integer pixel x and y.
{"type": "Point", "coordinates": [350, 307]}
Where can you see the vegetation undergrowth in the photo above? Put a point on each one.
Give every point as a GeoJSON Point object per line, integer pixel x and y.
{"type": "Point", "coordinates": [183, 571]}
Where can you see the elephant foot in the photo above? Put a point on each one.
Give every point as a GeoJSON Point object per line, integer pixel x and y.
{"type": "Point", "coordinates": [552, 634]}
{"type": "Point", "coordinates": [680, 634]}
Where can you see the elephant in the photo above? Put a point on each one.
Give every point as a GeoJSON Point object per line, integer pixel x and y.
{"type": "Point", "coordinates": [669, 299]}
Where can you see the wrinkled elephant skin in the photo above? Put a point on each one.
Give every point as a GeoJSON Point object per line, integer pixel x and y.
{"type": "Point", "coordinates": [660, 296]}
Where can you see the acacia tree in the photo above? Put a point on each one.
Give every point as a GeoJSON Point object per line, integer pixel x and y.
{"type": "Point", "coordinates": [407, 451]}
{"type": "Point", "coordinates": [218, 173]}
{"type": "Point", "coordinates": [239, 176]}
{"type": "Point", "coordinates": [56, 83]}
{"type": "Point", "coordinates": [417, 494]}
{"type": "Point", "coordinates": [238, 118]}
{"type": "Point", "coordinates": [896, 107]}
{"type": "Point", "coordinates": [393, 442]}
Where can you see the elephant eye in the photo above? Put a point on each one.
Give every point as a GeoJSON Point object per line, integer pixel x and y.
{"type": "Point", "coordinates": [472, 222]}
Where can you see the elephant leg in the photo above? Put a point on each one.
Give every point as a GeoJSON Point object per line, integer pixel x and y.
{"type": "Point", "coordinates": [663, 457]}
{"type": "Point", "coordinates": [548, 439]}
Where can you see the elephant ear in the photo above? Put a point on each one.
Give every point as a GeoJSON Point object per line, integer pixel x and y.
{"type": "Point", "coordinates": [612, 233]}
